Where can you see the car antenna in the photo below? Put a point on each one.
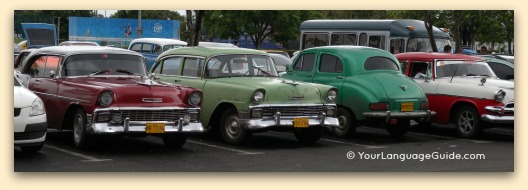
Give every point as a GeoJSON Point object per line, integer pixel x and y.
{"type": "Point", "coordinates": [454, 73]}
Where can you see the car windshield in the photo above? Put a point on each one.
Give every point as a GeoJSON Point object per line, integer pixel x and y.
{"type": "Point", "coordinates": [424, 44]}
{"type": "Point", "coordinates": [240, 65]}
{"type": "Point", "coordinates": [462, 68]}
{"type": "Point", "coordinates": [16, 82]}
{"type": "Point", "coordinates": [167, 47]}
{"type": "Point", "coordinates": [104, 64]}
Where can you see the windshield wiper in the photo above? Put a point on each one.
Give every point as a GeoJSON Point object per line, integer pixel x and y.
{"type": "Point", "coordinates": [99, 72]}
{"type": "Point", "coordinates": [263, 71]}
{"type": "Point", "coordinates": [454, 73]}
{"type": "Point", "coordinates": [127, 72]}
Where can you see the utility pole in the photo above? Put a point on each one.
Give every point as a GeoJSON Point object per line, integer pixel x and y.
{"type": "Point", "coordinates": [139, 31]}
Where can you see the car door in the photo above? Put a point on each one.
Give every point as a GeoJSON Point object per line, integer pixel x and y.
{"type": "Point", "coordinates": [44, 83]}
{"type": "Point", "coordinates": [428, 84]}
{"type": "Point", "coordinates": [330, 71]}
{"type": "Point", "coordinates": [191, 73]}
{"type": "Point", "coordinates": [303, 67]}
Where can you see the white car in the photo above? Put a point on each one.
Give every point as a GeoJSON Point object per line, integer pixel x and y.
{"type": "Point", "coordinates": [29, 119]}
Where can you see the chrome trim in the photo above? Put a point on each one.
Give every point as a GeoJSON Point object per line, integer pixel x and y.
{"type": "Point", "coordinates": [152, 100]}
{"type": "Point", "coordinates": [143, 108]}
{"type": "Point", "coordinates": [134, 127]}
{"type": "Point", "coordinates": [63, 97]}
{"type": "Point", "coordinates": [287, 122]}
{"type": "Point", "coordinates": [497, 119]}
{"type": "Point", "coordinates": [387, 115]}
{"type": "Point", "coordinates": [500, 109]}
{"type": "Point", "coordinates": [290, 105]}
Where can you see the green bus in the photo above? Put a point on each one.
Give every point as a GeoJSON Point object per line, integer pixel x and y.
{"type": "Point", "coordinates": [395, 36]}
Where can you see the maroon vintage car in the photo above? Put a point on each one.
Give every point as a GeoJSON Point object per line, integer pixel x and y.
{"type": "Point", "coordinates": [103, 91]}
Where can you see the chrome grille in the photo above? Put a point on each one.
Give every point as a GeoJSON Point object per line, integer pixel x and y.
{"type": "Point", "coordinates": [509, 105]}
{"type": "Point", "coordinates": [152, 115]}
{"type": "Point", "coordinates": [293, 111]}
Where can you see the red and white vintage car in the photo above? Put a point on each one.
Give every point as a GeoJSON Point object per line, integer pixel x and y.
{"type": "Point", "coordinates": [462, 90]}
{"type": "Point", "coordinates": [103, 91]}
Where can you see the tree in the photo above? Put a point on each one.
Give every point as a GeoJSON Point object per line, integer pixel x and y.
{"type": "Point", "coordinates": [193, 30]}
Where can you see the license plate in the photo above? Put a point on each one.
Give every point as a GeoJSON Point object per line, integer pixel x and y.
{"type": "Point", "coordinates": [407, 106]}
{"type": "Point", "coordinates": [300, 122]}
{"type": "Point", "coordinates": [155, 128]}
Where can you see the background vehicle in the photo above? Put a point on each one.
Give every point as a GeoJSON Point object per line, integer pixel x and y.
{"type": "Point", "coordinates": [371, 88]}
{"type": "Point", "coordinates": [503, 69]}
{"type": "Point", "coordinates": [462, 90]}
{"type": "Point", "coordinates": [281, 62]}
{"type": "Point", "coordinates": [151, 48]}
{"type": "Point", "coordinates": [30, 124]}
{"type": "Point", "coordinates": [394, 36]}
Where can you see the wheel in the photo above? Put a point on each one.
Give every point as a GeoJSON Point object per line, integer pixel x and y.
{"type": "Point", "coordinates": [174, 140]}
{"type": "Point", "coordinates": [468, 122]}
{"type": "Point", "coordinates": [231, 129]}
{"type": "Point", "coordinates": [32, 149]}
{"type": "Point", "coordinates": [347, 123]}
{"type": "Point", "coordinates": [309, 135]}
{"type": "Point", "coordinates": [400, 128]}
{"type": "Point", "coordinates": [80, 138]}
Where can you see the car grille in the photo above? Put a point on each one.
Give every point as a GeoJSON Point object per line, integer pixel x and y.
{"type": "Point", "coordinates": [29, 135]}
{"type": "Point", "coordinates": [509, 105]}
{"type": "Point", "coordinates": [293, 111]}
{"type": "Point", "coordinates": [152, 115]}
{"type": "Point", "coordinates": [17, 111]}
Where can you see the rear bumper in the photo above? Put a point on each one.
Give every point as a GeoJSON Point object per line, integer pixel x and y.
{"type": "Point", "coordinates": [388, 115]}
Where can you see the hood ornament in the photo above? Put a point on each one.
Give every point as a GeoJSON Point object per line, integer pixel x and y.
{"type": "Point", "coordinates": [301, 97]}
{"type": "Point", "coordinates": [403, 87]}
{"type": "Point", "coordinates": [152, 100]}
{"type": "Point", "coordinates": [290, 82]}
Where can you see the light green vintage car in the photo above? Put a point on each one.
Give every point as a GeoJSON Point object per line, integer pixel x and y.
{"type": "Point", "coordinates": [243, 94]}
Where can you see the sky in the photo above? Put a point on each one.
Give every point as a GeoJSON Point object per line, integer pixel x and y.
{"type": "Point", "coordinates": [110, 12]}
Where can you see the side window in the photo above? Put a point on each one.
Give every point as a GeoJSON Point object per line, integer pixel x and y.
{"type": "Point", "coordinates": [502, 71]}
{"type": "Point", "coordinates": [136, 47]}
{"type": "Point", "coordinates": [156, 50]}
{"type": "Point", "coordinates": [363, 39]}
{"type": "Point", "coordinates": [305, 62]}
{"type": "Point", "coordinates": [315, 40]}
{"type": "Point", "coordinates": [403, 64]}
{"type": "Point", "coordinates": [52, 64]}
{"type": "Point", "coordinates": [146, 48]}
{"type": "Point", "coordinates": [380, 63]}
{"type": "Point", "coordinates": [169, 66]}
{"type": "Point", "coordinates": [38, 67]}
{"type": "Point", "coordinates": [377, 42]}
{"type": "Point", "coordinates": [192, 67]}
{"type": "Point", "coordinates": [397, 46]}
{"type": "Point", "coordinates": [419, 70]}
{"type": "Point", "coordinates": [330, 64]}
{"type": "Point", "coordinates": [343, 39]}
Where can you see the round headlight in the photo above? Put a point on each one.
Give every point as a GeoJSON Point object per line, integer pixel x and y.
{"type": "Point", "coordinates": [258, 96]}
{"type": "Point", "coordinates": [195, 98]}
{"type": "Point", "coordinates": [37, 108]}
{"type": "Point", "coordinates": [331, 95]}
{"type": "Point", "coordinates": [499, 95]}
{"type": "Point", "coordinates": [106, 98]}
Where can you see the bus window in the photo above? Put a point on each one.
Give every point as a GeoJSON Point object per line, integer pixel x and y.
{"type": "Point", "coordinates": [363, 39]}
{"type": "Point", "coordinates": [377, 42]}
{"type": "Point", "coordinates": [344, 39]}
{"type": "Point", "coordinates": [397, 46]}
{"type": "Point", "coordinates": [315, 40]}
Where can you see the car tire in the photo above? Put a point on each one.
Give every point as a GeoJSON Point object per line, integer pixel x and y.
{"type": "Point", "coordinates": [81, 139]}
{"type": "Point", "coordinates": [347, 123]}
{"type": "Point", "coordinates": [174, 140]}
{"type": "Point", "coordinates": [32, 149]}
{"type": "Point", "coordinates": [399, 129]}
{"type": "Point", "coordinates": [231, 129]}
{"type": "Point", "coordinates": [309, 135]}
{"type": "Point", "coordinates": [467, 122]}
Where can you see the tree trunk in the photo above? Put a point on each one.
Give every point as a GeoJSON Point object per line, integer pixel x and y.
{"type": "Point", "coordinates": [189, 27]}
{"type": "Point", "coordinates": [429, 26]}
{"type": "Point", "coordinates": [197, 27]}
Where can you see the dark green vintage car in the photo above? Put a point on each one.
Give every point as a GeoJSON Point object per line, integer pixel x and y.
{"type": "Point", "coordinates": [372, 89]}
{"type": "Point", "coordinates": [242, 93]}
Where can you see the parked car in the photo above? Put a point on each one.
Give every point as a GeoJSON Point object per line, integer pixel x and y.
{"type": "Point", "coordinates": [505, 57]}
{"type": "Point", "coordinates": [243, 95]}
{"type": "Point", "coordinates": [281, 62]}
{"type": "Point", "coordinates": [30, 124]}
{"type": "Point", "coordinates": [372, 89]}
{"type": "Point", "coordinates": [503, 69]}
{"type": "Point", "coordinates": [462, 90]}
{"type": "Point", "coordinates": [279, 52]}
{"type": "Point", "coordinates": [151, 48]}
{"type": "Point", "coordinates": [78, 43]}
{"type": "Point", "coordinates": [96, 90]}
{"type": "Point", "coordinates": [22, 55]}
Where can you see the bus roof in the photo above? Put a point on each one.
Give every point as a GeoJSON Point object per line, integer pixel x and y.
{"type": "Point", "coordinates": [398, 28]}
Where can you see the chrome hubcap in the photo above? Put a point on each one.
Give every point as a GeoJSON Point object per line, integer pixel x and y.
{"type": "Point", "coordinates": [466, 122]}
{"type": "Point", "coordinates": [77, 128]}
{"type": "Point", "coordinates": [232, 126]}
{"type": "Point", "coordinates": [342, 122]}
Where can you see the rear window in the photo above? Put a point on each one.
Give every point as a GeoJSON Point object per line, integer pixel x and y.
{"type": "Point", "coordinates": [380, 63]}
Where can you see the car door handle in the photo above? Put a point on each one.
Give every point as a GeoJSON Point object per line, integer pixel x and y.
{"type": "Point", "coordinates": [38, 80]}
{"type": "Point", "coordinates": [310, 75]}
{"type": "Point", "coordinates": [177, 80]}
{"type": "Point", "coordinates": [340, 77]}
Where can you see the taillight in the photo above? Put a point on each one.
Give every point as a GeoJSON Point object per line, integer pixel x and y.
{"type": "Point", "coordinates": [379, 106]}
{"type": "Point", "coordinates": [425, 106]}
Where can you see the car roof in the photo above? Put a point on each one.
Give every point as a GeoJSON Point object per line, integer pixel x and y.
{"type": "Point", "coordinates": [215, 44]}
{"type": "Point", "coordinates": [435, 55]}
{"type": "Point", "coordinates": [159, 41]}
{"type": "Point", "coordinates": [77, 42]}
{"type": "Point", "coordinates": [71, 50]}
{"type": "Point", "coordinates": [210, 51]}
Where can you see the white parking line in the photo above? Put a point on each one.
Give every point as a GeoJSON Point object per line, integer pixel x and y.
{"type": "Point", "coordinates": [225, 148]}
{"type": "Point", "coordinates": [336, 141]}
{"type": "Point", "coordinates": [88, 158]}
{"type": "Point", "coordinates": [451, 138]}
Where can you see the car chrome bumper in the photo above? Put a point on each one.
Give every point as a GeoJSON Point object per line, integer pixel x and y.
{"type": "Point", "coordinates": [499, 118]}
{"type": "Point", "coordinates": [282, 115]}
{"type": "Point", "coordinates": [278, 121]}
{"type": "Point", "coordinates": [388, 115]}
{"type": "Point", "coordinates": [140, 127]}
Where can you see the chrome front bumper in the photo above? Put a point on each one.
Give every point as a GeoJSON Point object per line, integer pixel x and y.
{"type": "Point", "coordinates": [140, 127]}
{"type": "Point", "coordinates": [499, 118]}
{"type": "Point", "coordinates": [280, 120]}
{"type": "Point", "coordinates": [388, 115]}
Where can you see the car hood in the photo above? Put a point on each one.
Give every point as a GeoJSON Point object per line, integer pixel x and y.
{"type": "Point", "coordinates": [137, 91]}
{"type": "Point", "coordinates": [395, 86]}
{"type": "Point", "coordinates": [279, 90]}
{"type": "Point", "coordinates": [489, 82]}
{"type": "Point", "coordinates": [22, 97]}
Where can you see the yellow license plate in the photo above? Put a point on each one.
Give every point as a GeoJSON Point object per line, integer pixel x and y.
{"type": "Point", "coordinates": [407, 106]}
{"type": "Point", "coordinates": [300, 122]}
{"type": "Point", "coordinates": [155, 128]}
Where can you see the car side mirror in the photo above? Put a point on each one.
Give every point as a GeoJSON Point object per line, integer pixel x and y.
{"type": "Point", "coordinates": [52, 74]}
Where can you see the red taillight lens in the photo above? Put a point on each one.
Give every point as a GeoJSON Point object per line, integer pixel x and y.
{"type": "Point", "coordinates": [379, 106]}
{"type": "Point", "coordinates": [425, 106]}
